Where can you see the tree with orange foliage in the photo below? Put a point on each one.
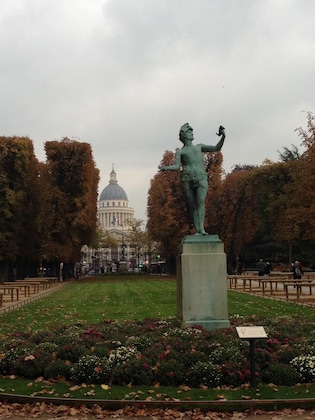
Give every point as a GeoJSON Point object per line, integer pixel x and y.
{"type": "Point", "coordinates": [70, 206]}
{"type": "Point", "coordinates": [167, 216]}
{"type": "Point", "coordinates": [236, 217]}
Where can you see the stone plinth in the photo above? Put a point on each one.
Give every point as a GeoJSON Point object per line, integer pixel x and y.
{"type": "Point", "coordinates": [122, 266]}
{"type": "Point", "coordinates": [201, 282]}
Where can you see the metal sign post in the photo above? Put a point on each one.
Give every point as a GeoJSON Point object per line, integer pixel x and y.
{"type": "Point", "coordinates": [251, 334]}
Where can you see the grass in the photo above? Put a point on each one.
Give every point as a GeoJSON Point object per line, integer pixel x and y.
{"type": "Point", "coordinates": [43, 388]}
{"type": "Point", "coordinates": [94, 299]}
{"type": "Point", "coordinates": [247, 305]}
{"type": "Point", "coordinates": [91, 300]}
{"type": "Point", "coordinates": [122, 297]}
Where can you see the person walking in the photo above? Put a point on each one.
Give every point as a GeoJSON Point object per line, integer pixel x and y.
{"type": "Point", "coordinates": [261, 265]}
{"type": "Point", "coordinates": [297, 270]}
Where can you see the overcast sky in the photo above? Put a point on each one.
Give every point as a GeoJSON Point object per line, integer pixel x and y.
{"type": "Point", "coordinates": [124, 75]}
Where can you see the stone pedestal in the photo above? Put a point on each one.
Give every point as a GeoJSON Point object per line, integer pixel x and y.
{"type": "Point", "coordinates": [123, 266]}
{"type": "Point", "coordinates": [201, 282]}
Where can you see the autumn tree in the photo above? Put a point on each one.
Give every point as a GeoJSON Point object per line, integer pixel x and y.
{"type": "Point", "coordinates": [19, 199]}
{"type": "Point", "coordinates": [303, 194]}
{"type": "Point", "coordinates": [236, 219]}
{"type": "Point", "coordinates": [167, 213]}
{"type": "Point", "coordinates": [70, 206]}
{"type": "Point", "coordinates": [289, 154]}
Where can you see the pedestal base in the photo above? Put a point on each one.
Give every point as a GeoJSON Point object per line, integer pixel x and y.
{"type": "Point", "coordinates": [201, 282]}
{"type": "Point", "coordinates": [122, 266]}
{"type": "Point", "coordinates": [211, 324]}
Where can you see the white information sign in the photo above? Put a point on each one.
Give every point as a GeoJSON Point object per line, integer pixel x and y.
{"type": "Point", "coordinates": [251, 332]}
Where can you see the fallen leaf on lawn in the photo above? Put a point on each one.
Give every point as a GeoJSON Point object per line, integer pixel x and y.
{"type": "Point", "coordinates": [39, 379]}
{"type": "Point", "coordinates": [184, 388]}
{"type": "Point", "coordinates": [204, 387]}
{"type": "Point", "coordinates": [90, 393]}
{"type": "Point", "coordinates": [12, 377]}
{"type": "Point", "coordinates": [245, 397]}
{"type": "Point", "coordinates": [220, 397]}
{"type": "Point", "coordinates": [30, 384]}
{"type": "Point", "coordinates": [75, 388]}
{"type": "Point", "coordinates": [151, 391]}
{"type": "Point", "coordinates": [156, 384]}
{"type": "Point", "coordinates": [105, 387]}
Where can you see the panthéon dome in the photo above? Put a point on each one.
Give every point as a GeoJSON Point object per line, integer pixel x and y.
{"type": "Point", "coordinates": [113, 191]}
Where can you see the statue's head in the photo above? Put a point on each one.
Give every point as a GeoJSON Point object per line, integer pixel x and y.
{"type": "Point", "coordinates": [182, 132]}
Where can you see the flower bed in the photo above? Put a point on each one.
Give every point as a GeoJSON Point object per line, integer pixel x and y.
{"type": "Point", "coordinates": [154, 352]}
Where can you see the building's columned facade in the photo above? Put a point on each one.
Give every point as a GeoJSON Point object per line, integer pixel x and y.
{"type": "Point", "coordinates": [114, 212]}
{"type": "Point", "coordinates": [115, 218]}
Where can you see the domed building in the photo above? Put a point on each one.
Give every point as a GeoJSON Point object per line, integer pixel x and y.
{"type": "Point", "coordinates": [113, 206]}
{"type": "Point", "coordinates": [115, 218]}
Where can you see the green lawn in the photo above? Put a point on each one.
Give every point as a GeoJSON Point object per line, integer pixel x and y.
{"type": "Point", "coordinates": [119, 298]}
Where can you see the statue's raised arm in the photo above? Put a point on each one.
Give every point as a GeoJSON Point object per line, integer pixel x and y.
{"type": "Point", "coordinates": [218, 146]}
{"type": "Point", "coordinates": [194, 176]}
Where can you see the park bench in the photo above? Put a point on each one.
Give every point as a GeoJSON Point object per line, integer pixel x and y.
{"type": "Point", "coordinates": [284, 274]}
{"type": "Point", "coordinates": [41, 282]}
{"type": "Point", "coordinates": [273, 283]}
{"type": "Point", "coordinates": [245, 280]}
{"type": "Point", "coordinates": [13, 291]}
{"type": "Point", "coordinates": [25, 287]}
{"type": "Point", "coordinates": [297, 285]}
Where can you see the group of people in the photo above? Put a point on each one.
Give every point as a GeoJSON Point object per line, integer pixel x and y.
{"type": "Point", "coordinates": [264, 269]}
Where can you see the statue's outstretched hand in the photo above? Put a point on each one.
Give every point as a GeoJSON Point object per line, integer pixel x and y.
{"type": "Point", "coordinates": [221, 131]}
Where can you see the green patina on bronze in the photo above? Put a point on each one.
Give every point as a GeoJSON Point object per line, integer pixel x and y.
{"type": "Point", "coordinates": [194, 176]}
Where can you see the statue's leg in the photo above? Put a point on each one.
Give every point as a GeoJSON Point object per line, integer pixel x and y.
{"type": "Point", "coordinates": [192, 206]}
{"type": "Point", "coordinates": [201, 211]}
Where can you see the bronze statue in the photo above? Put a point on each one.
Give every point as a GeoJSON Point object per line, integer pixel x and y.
{"type": "Point", "coordinates": [194, 176]}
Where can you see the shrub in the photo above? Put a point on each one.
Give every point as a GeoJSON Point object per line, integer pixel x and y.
{"type": "Point", "coordinates": [281, 374]}
{"type": "Point", "coordinates": [135, 372]}
{"type": "Point", "coordinates": [203, 373]}
{"type": "Point", "coordinates": [8, 361]}
{"type": "Point", "coordinates": [122, 354]}
{"type": "Point", "coordinates": [234, 374]}
{"type": "Point", "coordinates": [169, 372]}
{"type": "Point", "coordinates": [305, 367]}
{"type": "Point", "coordinates": [91, 369]}
{"type": "Point", "coordinates": [33, 364]}
{"type": "Point", "coordinates": [230, 352]}
{"type": "Point", "coordinates": [71, 352]}
{"type": "Point", "coordinates": [48, 347]}
{"type": "Point", "coordinates": [58, 369]}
